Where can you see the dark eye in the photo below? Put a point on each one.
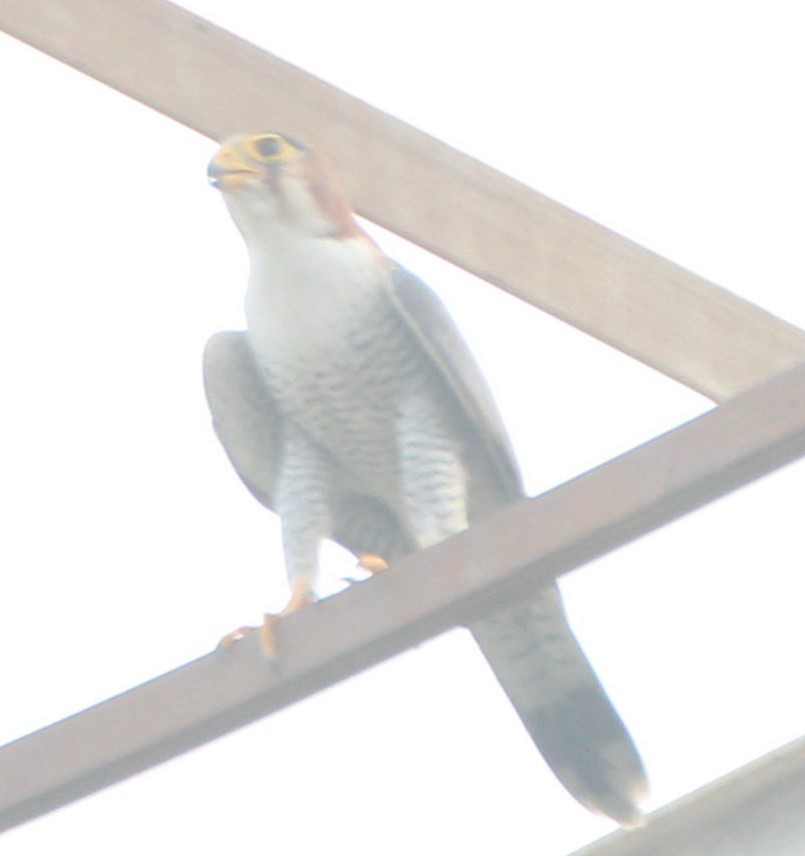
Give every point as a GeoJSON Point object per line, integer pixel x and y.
{"type": "Point", "coordinates": [268, 147]}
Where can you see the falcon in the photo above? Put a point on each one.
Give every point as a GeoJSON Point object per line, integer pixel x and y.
{"type": "Point", "coordinates": [352, 407]}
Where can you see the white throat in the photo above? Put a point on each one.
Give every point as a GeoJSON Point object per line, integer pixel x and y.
{"type": "Point", "coordinates": [302, 289]}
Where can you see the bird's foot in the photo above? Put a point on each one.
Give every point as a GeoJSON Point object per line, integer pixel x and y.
{"type": "Point", "coordinates": [372, 563]}
{"type": "Point", "coordinates": [266, 632]}
{"type": "Point", "coordinates": [368, 563]}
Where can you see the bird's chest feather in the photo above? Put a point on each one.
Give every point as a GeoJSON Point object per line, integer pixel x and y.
{"type": "Point", "coordinates": [332, 347]}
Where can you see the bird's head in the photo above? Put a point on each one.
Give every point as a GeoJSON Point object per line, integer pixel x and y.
{"type": "Point", "coordinates": [272, 183]}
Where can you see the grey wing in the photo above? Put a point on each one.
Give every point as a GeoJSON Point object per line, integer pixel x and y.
{"type": "Point", "coordinates": [437, 333]}
{"type": "Point", "coordinates": [244, 415]}
{"type": "Point", "coordinates": [250, 425]}
{"type": "Point", "coordinates": [530, 646]}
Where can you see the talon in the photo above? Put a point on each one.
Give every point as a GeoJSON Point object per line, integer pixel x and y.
{"type": "Point", "coordinates": [368, 563]}
{"type": "Point", "coordinates": [229, 641]}
{"type": "Point", "coordinates": [266, 633]}
{"type": "Point", "coordinates": [372, 563]}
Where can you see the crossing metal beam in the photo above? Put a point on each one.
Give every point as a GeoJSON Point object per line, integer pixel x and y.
{"type": "Point", "coordinates": [496, 561]}
{"type": "Point", "coordinates": [401, 178]}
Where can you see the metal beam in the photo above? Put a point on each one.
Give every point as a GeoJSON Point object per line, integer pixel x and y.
{"type": "Point", "coordinates": [753, 811]}
{"type": "Point", "coordinates": [494, 562]}
{"type": "Point", "coordinates": [409, 182]}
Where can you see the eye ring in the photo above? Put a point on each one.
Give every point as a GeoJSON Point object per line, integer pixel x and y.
{"type": "Point", "coordinates": [269, 147]}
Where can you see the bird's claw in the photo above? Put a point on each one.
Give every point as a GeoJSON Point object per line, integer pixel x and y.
{"type": "Point", "coordinates": [266, 636]}
{"type": "Point", "coordinates": [372, 563]}
{"type": "Point", "coordinates": [369, 563]}
{"type": "Point", "coordinates": [266, 632]}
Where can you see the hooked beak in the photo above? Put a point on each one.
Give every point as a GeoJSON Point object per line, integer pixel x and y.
{"type": "Point", "coordinates": [230, 168]}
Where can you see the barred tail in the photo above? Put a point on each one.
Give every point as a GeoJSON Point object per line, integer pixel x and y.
{"type": "Point", "coordinates": [562, 704]}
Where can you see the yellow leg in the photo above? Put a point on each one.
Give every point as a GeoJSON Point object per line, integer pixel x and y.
{"type": "Point", "coordinates": [266, 634]}
{"type": "Point", "coordinates": [300, 596]}
{"type": "Point", "coordinates": [368, 563]}
{"type": "Point", "coordinates": [372, 563]}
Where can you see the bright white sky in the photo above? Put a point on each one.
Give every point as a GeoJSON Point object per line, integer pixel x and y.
{"type": "Point", "coordinates": [129, 546]}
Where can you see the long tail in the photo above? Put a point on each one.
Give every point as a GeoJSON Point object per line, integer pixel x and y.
{"type": "Point", "coordinates": [562, 704]}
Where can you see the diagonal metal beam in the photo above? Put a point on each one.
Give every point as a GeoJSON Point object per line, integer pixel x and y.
{"type": "Point", "coordinates": [494, 562]}
{"type": "Point", "coordinates": [439, 198]}
{"type": "Point", "coordinates": [753, 811]}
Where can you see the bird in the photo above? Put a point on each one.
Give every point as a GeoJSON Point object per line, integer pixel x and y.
{"type": "Point", "coordinates": [352, 406]}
